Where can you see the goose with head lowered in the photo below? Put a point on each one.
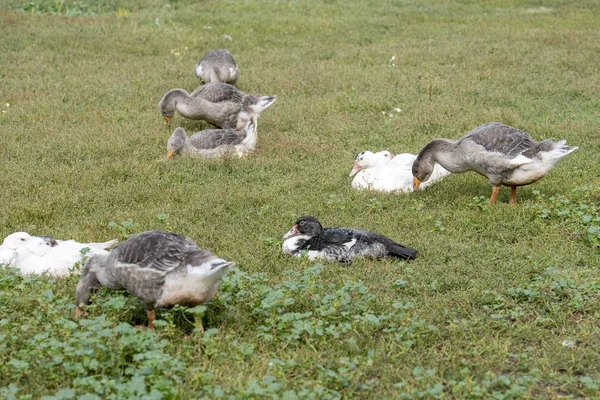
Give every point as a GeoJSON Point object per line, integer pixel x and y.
{"type": "Point", "coordinates": [505, 154]}
{"type": "Point", "coordinates": [340, 244]}
{"type": "Point", "coordinates": [218, 66]}
{"type": "Point", "coordinates": [162, 269]}
{"type": "Point", "coordinates": [211, 143]}
{"type": "Point", "coordinates": [382, 171]}
{"type": "Point", "coordinates": [220, 104]}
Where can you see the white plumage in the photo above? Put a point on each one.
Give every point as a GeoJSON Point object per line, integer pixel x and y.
{"type": "Point", "coordinates": [10, 245]}
{"type": "Point", "coordinates": [39, 256]}
{"type": "Point", "coordinates": [385, 172]}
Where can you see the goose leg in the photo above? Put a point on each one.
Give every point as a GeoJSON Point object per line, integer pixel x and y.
{"type": "Point", "coordinates": [151, 315]}
{"type": "Point", "coordinates": [198, 323]}
{"type": "Point", "coordinates": [80, 313]}
{"type": "Point", "coordinates": [513, 195]}
{"type": "Point", "coordinates": [495, 191]}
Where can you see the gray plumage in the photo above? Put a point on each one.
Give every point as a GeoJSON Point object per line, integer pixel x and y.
{"type": "Point", "coordinates": [161, 268]}
{"type": "Point", "coordinates": [214, 142]}
{"type": "Point", "coordinates": [218, 66]}
{"type": "Point", "coordinates": [505, 154]}
{"type": "Point", "coordinates": [220, 104]}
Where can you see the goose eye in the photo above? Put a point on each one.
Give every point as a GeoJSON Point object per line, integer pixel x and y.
{"type": "Point", "coordinates": [22, 239]}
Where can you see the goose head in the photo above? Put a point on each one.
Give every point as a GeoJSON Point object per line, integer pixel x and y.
{"type": "Point", "coordinates": [368, 159]}
{"type": "Point", "coordinates": [176, 142]}
{"type": "Point", "coordinates": [306, 226]}
{"type": "Point", "coordinates": [423, 165]}
{"type": "Point", "coordinates": [16, 240]}
{"type": "Point", "coordinates": [168, 104]}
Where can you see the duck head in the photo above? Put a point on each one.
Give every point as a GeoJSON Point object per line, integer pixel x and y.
{"type": "Point", "coordinates": [368, 159]}
{"type": "Point", "coordinates": [38, 246]}
{"type": "Point", "coordinates": [16, 240]}
{"type": "Point", "coordinates": [306, 226]}
{"type": "Point", "coordinates": [384, 157]}
{"type": "Point", "coordinates": [176, 142]}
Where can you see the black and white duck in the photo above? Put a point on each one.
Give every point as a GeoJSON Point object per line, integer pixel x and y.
{"type": "Point", "coordinates": [161, 268]}
{"type": "Point", "coordinates": [211, 143]}
{"type": "Point", "coordinates": [218, 66]}
{"type": "Point", "coordinates": [505, 154]}
{"type": "Point", "coordinates": [340, 244]}
{"type": "Point", "coordinates": [220, 104]}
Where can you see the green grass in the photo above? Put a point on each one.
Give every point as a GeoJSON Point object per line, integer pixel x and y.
{"type": "Point", "coordinates": [483, 311]}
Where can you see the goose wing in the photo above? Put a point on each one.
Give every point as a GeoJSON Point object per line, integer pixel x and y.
{"type": "Point", "coordinates": [155, 250]}
{"type": "Point", "coordinates": [213, 138]}
{"type": "Point", "coordinates": [217, 92]}
{"type": "Point", "coordinates": [497, 137]}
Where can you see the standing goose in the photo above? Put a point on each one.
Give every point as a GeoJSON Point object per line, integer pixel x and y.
{"type": "Point", "coordinates": [218, 66]}
{"type": "Point", "coordinates": [162, 269]}
{"type": "Point", "coordinates": [506, 155]}
{"type": "Point", "coordinates": [340, 244]}
{"type": "Point", "coordinates": [220, 104]}
{"type": "Point", "coordinates": [214, 142]}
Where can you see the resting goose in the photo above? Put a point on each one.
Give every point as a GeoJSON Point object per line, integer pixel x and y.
{"type": "Point", "coordinates": [506, 155]}
{"type": "Point", "coordinates": [382, 171]}
{"type": "Point", "coordinates": [340, 244]}
{"type": "Point", "coordinates": [218, 66]}
{"type": "Point", "coordinates": [40, 255]}
{"type": "Point", "coordinates": [220, 104]}
{"type": "Point", "coordinates": [214, 142]}
{"type": "Point", "coordinates": [161, 268]}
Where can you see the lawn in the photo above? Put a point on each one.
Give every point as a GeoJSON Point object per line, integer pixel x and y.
{"type": "Point", "coordinates": [502, 302]}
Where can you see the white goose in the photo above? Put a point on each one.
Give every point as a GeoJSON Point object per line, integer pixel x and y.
{"type": "Point", "coordinates": [57, 258]}
{"type": "Point", "coordinates": [382, 171]}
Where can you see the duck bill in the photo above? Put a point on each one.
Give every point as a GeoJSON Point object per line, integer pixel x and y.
{"type": "Point", "coordinates": [291, 232]}
{"type": "Point", "coordinates": [168, 121]}
{"type": "Point", "coordinates": [416, 184]}
{"type": "Point", "coordinates": [355, 169]}
{"type": "Point", "coordinates": [170, 153]}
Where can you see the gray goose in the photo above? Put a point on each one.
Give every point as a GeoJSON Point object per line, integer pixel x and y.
{"type": "Point", "coordinates": [505, 154]}
{"type": "Point", "coordinates": [220, 104]}
{"type": "Point", "coordinates": [161, 268]}
{"type": "Point", "coordinates": [211, 143]}
{"type": "Point", "coordinates": [218, 66]}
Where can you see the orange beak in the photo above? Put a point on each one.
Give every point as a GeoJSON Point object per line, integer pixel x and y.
{"type": "Point", "coordinates": [416, 184]}
{"type": "Point", "coordinates": [170, 153]}
{"type": "Point", "coordinates": [168, 121]}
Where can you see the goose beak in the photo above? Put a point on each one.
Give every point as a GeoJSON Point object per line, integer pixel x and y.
{"type": "Point", "coordinates": [291, 232]}
{"type": "Point", "coordinates": [170, 153]}
{"type": "Point", "coordinates": [416, 184]}
{"type": "Point", "coordinates": [355, 169]}
{"type": "Point", "coordinates": [168, 121]}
